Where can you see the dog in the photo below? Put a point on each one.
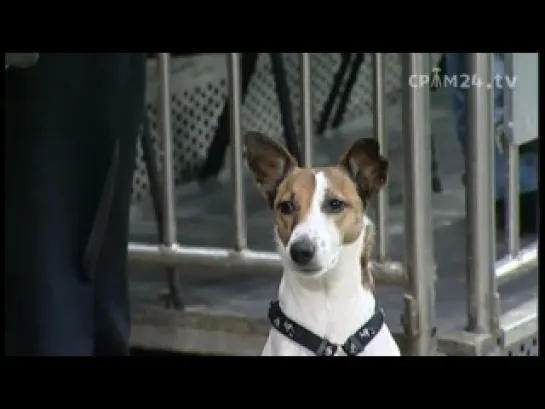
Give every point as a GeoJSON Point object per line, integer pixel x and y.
{"type": "Point", "coordinates": [323, 236]}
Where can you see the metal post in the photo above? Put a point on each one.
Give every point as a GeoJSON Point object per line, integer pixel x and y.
{"type": "Point", "coordinates": [165, 123]}
{"type": "Point", "coordinates": [235, 104]}
{"type": "Point", "coordinates": [479, 197]}
{"type": "Point", "coordinates": [379, 125]}
{"type": "Point", "coordinates": [512, 200]}
{"type": "Point", "coordinates": [306, 108]}
{"type": "Point", "coordinates": [512, 210]}
{"type": "Point", "coordinates": [417, 197]}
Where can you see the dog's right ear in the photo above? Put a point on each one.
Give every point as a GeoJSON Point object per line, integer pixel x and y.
{"type": "Point", "coordinates": [269, 162]}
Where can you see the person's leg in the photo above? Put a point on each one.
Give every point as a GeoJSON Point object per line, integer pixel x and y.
{"type": "Point", "coordinates": [455, 67]}
{"type": "Point", "coordinates": [64, 168]}
{"type": "Point", "coordinates": [126, 108]}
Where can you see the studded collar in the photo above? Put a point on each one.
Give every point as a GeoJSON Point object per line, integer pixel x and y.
{"type": "Point", "coordinates": [354, 346]}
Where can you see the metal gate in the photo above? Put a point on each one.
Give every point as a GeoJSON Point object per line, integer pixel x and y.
{"type": "Point", "coordinates": [486, 330]}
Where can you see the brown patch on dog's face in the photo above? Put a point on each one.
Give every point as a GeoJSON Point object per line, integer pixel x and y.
{"type": "Point", "coordinates": [298, 190]}
{"type": "Point", "coordinates": [341, 187]}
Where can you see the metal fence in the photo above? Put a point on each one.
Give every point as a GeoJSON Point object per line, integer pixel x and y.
{"type": "Point", "coordinates": [486, 329]}
{"type": "Point", "coordinates": [416, 274]}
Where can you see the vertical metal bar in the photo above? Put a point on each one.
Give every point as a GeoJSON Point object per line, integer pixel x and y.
{"type": "Point", "coordinates": [306, 108]}
{"type": "Point", "coordinates": [417, 196]}
{"type": "Point", "coordinates": [479, 197]}
{"type": "Point", "coordinates": [512, 200]}
{"type": "Point", "coordinates": [235, 105]}
{"type": "Point", "coordinates": [165, 123]}
{"type": "Point", "coordinates": [379, 125]}
{"type": "Point", "coordinates": [512, 210]}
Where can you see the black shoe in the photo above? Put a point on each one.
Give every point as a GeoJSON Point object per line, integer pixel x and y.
{"type": "Point", "coordinates": [528, 213]}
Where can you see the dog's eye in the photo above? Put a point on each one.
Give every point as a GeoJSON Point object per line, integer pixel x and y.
{"type": "Point", "coordinates": [334, 205]}
{"type": "Point", "coordinates": [286, 207]}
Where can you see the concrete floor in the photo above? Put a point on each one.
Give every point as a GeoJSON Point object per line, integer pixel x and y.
{"type": "Point", "coordinates": [204, 218]}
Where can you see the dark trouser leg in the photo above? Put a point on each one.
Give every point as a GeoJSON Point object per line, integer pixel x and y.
{"type": "Point", "coordinates": [112, 320]}
{"type": "Point", "coordinates": [71, 127]}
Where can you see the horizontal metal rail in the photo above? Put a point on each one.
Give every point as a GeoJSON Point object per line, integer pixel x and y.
{"type": "Point", "coordinates": [511, 267]}
{"type": "Point", "coordinates": [245, 261]}
{"type": "Point", "coordinates": [519, 323]}
{"type": "Point", "coordinates": [205, 257]}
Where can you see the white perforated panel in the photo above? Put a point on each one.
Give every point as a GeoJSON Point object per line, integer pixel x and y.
{"type": "Point", "coordinates": [526, 347]}
{"type": "Point", "coordinates": [199, 92]}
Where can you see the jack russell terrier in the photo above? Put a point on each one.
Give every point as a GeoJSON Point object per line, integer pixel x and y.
{"type": "Point", "coordinates": [323, 238]}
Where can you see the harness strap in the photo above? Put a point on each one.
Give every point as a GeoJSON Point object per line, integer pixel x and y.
{"type": "Point", "coordinates": [358, 341]}
{"type": "Point", "coordinates": [320, 346]}
{"type": "Point", "coordinates": [289, 328]}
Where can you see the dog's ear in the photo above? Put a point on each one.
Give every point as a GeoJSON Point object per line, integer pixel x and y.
{"type": "Point", "coordinates": [269, 162]}
{"type": "Point", "coordinates": [366, 166]}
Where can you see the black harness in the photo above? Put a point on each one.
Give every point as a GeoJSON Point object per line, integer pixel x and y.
{"type": "Point", "coordinates": [355, 344]}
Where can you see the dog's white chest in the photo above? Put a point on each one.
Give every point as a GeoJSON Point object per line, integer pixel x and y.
{"type": "Point", "coordinates": [335, 322]}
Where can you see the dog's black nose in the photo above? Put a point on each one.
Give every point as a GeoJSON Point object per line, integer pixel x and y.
{"type": "Point", "coordinates": [302, 251]}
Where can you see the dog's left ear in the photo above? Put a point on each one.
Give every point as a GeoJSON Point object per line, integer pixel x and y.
{"type": "Point", "coordinates": [366, 166]}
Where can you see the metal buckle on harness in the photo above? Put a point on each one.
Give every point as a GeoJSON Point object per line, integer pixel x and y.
{"type": "Point", "coordinates": [353, 345]}
{"type": "Point", "coordinates": [326, 348]}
